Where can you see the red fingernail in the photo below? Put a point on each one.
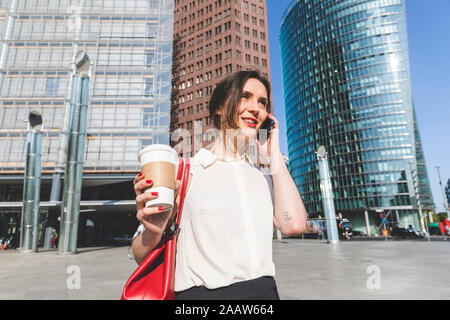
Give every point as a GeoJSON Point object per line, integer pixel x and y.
{"type": "Point", "coordinates": [161, 208]}
{"type": "Point", "coordinates": [140, 174]}
{"type": "Point", "coordinates": [148, 181]}
{"type": "Point", "coordinates": [154, 193]}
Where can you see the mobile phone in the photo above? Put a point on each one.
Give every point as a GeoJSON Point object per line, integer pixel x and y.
{"type": "Point", "coordinates": [267, 125]}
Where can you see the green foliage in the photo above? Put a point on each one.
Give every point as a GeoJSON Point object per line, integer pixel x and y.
{"type": "Point", "coordinates": [440, 216]}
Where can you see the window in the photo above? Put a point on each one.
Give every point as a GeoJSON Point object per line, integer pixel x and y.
{"type": "Point", "coordinates": [148, 88]}
{"type": "Point", "coordinates": [152, 29]}
{"type": "Point", "coordinates": [264, 62]}
{"type": "Point", "coordinates": [51, 88]}
{"type": "Point", "coordinates": [149, 59]}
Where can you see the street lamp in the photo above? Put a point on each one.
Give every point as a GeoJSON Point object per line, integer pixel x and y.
{"type": "Point", "coordinates": [31, 184]}
{"type": "Point", "coordinates": [443, 192]}
{"type": "Point", "coordinates": [415, 177]}
{"type": "Point", "coordinates": [327, 196]}
{"type": "Point", "coordinates": [73, 175]}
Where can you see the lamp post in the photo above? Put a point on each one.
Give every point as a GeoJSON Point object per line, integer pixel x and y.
{"type": "Point", "coordinates": [327, 196]}
{"type": "Point", "coordinates": [31, 185]}
{"type": "Point", "coordinates": [443, 192]}
{"type": "Point", "coordinates": [415, 177]}
{"type": "Point", "coordinates": [73, 176]}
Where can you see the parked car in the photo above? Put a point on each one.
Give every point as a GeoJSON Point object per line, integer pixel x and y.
{"type": "Point", "coordinates": [407, 233]}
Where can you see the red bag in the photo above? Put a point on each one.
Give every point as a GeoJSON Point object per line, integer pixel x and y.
{"type": "Point", "coordinates": [154, 278]}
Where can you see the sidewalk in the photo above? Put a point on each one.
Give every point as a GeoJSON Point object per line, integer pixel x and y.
{"type": "Point", "coordinates": [306, 269]}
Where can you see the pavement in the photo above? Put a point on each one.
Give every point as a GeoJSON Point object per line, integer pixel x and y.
{"type": "Point", "coordinates": [306, 269]}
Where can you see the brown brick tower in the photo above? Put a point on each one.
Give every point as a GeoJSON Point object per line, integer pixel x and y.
{"type": "Point", "coordinates": [212, 38]}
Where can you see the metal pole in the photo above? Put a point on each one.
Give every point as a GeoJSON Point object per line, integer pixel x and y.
{"type": "Point", "coordinates": [75, 157]}
{"type": "Point", "coordinates": [443, 192]}
{"type": "Point", "coordinates": [327, 196]}
{"type": "Point", "coordinates": [55, 192]}
{"type": "Point", "coordinates": [31, 186]}
{"type": "Point", "coordinates": [366, 215]}
{"type": "Point", "coordinates": [415, 178]}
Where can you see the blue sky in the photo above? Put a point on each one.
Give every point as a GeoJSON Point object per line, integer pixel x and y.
{"type": "Point", "coordinates": [429, 48]}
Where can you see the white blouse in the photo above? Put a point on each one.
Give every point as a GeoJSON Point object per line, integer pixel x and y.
{"type": "Point", "coordinates": [226, 225]}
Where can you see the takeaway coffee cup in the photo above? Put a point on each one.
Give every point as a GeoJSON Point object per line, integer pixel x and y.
{"type": "Point", "coordinates": [158, 163]}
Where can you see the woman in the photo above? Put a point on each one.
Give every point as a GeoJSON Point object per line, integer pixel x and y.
{"type": "Point", "coordinates": [224, 248]}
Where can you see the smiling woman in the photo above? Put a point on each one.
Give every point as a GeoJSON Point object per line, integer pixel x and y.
{"type": "Point", "coordinates": [233, 93]}
{"type": "Point", "coordinates": [224, 248]}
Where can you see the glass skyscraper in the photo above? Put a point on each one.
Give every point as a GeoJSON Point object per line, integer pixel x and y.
{"type": "Point", "coordinates": [129, 43]}
{"type": "Point", "coordinates": [347, 87]}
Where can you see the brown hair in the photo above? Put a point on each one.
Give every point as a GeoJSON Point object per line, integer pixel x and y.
{"type": "Point", "coordinates": [227, 95]}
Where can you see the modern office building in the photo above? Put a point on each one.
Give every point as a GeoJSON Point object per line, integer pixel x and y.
{"type": "Point", "coordinates": [212, 38]}
{"type": "Point", "coordinates": [346, 78]}
{"type": "Point", "coordinates": [130, 44]}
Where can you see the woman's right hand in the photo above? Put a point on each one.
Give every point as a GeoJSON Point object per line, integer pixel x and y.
{"type": "Point", "coordinates": [154, 219]}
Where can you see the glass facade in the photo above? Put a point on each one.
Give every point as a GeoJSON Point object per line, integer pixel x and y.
{"type": "Point", "coordinates": [129, 43]}
{"type": "Point", "coordinates": [347, 87]}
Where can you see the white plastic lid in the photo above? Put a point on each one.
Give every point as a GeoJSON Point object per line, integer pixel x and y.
{"type": "Point", "coordinates": [158, 152]}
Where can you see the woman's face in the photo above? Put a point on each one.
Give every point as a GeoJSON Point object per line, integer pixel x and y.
{"type": "Point", "coordinates": [253, 107]}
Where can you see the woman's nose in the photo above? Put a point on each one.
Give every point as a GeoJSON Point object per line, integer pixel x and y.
{"type": "Point", "coordinates": [253, 105]}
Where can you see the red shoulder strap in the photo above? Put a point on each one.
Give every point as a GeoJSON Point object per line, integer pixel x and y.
{"type": "Point", "coordinates": [180, 168]}
{"type": "Point", "coordinates": [185, 165]}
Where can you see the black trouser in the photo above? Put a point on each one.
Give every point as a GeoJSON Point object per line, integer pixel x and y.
{"type": "Point", "coordinates": [263, 288]}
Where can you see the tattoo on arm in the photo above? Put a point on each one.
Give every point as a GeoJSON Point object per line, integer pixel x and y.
{"type": "Point", "coordinates": [287, 217]}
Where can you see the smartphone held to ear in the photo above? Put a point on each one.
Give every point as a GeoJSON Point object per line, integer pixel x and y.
{"type": "Point", "coordinates": [267, 125]}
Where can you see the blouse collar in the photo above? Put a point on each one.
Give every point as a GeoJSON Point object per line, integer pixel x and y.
{"type": "Point", "coordinates": [207, 158]}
